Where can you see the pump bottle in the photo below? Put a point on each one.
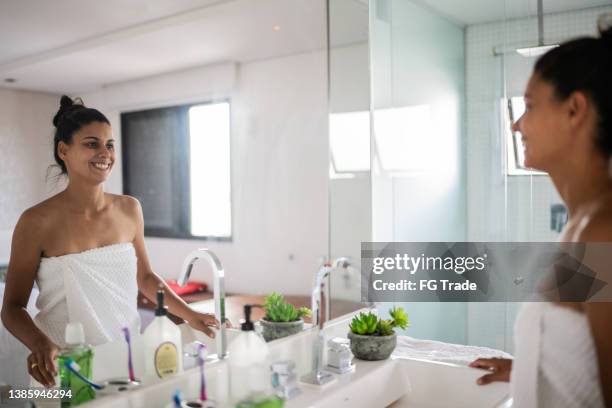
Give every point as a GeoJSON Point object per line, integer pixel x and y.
{"type": "Point", "coordinates": [162, 344]}
{"type": "Point", "coordinates": [250, 378]}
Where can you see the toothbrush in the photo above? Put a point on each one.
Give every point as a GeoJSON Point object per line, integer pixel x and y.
{"type": "Point", "coordinates": [126, 332]}
{"type": "Point", "coordinates": [74, 368]}
{"type": "Point", "coordinates": [176, 398]}
{"type": "Point", "coordinates": [201, 348]}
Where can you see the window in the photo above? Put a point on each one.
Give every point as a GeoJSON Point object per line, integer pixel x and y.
{"type": "Point", "coordinates": [349, 137]}
{"type": "Point", "coordinates": [176, 161]}
{"type": "Point", "coordinates": [406, 138]}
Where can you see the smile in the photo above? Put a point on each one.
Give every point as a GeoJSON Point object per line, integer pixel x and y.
{"type": "Point", "coordinates": [101, 166]}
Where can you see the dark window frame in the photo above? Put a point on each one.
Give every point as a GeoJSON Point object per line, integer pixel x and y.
{"type": "Point", "coordinates": [180, 163]}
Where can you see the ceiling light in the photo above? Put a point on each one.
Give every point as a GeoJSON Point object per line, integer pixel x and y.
{"type": "Point", "coordinates": [276, 28]}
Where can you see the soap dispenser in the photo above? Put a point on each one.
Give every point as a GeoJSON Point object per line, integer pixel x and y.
{"type": "Point", "coordinates": [162, 344]}
{"type": "Point", "coordinates": [249, 370]}
{"type": "Point", "coordinates": [80, 355]}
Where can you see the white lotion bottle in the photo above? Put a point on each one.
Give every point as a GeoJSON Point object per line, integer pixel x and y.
{"type": "Point", "coordinates": [249, 370]}
{"type": "Point", "coordinates": [163, 348]}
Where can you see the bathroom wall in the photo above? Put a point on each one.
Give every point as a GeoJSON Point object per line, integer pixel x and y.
{"type": "Point", "coordinates": [500, 207]}
{"type": "Point", "coordinates": [279, 167]}
{"type": "Point", "coordinates": [26, 135]}
{"type": "Point", "coordinates": [418, 61]}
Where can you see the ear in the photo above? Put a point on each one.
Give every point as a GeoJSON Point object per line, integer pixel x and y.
{"type": "Point", "coordinates": [579, 106]}
{"type": "Point", "coordinates": [62, 149]}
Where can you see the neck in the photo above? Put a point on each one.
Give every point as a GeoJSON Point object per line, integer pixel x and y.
{"type": "Point", "coordinates": [581, 183]}
{"type": "Point", "coordinates": [85, 198]}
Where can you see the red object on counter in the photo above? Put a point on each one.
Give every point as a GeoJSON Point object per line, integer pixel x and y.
{"type": "Point", "coordinates": [189, 288]}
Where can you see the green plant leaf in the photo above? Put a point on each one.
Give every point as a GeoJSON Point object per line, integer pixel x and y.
{"type": "Point", "coordinates": [399, 318]}
{"type": "Point", "coordinates": [273, 299]}
{"type": "Point", "coordinates": [385, 328]}
{"type": "Point", "coordinates": [364, 323]}
{"type": "Point", "coordinates": [278, 310]}
{"type": "Point", "coordinates": [304, 312]}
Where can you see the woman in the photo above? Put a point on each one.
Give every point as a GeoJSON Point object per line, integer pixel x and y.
{"type": "Point", "coordinates": [85, 249]}
{"type": "Point", "coordinates": [564, 350]}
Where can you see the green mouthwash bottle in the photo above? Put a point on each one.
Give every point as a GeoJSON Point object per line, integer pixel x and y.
{"type": "Point", "coordinates": [82, 354]}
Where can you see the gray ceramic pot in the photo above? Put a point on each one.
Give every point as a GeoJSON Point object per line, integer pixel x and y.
{"type": "Point", "coordinates": [277, 330]}
{"type": "Point", "coordinates": [372, 348]}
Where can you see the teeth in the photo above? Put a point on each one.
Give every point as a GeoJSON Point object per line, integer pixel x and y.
{"type": "Point", "coordinates": [101, 166]}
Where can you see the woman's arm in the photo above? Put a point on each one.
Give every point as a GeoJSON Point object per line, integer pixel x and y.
{"type": "Point", "coordinates": [23, 265]}
{"type": "Point", "coordinates": [599, 314]}
{"type": "Point", "coordinates": [149, 282]}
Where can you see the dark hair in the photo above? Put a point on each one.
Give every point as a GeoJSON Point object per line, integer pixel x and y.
{"type": "Point", "coordinates": [70, 118]}
{"type": "Point", "coordinates": [585, 64]}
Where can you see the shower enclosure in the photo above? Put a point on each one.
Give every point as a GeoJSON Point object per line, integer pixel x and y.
{"type": "Point", "coordinates": [446, 80]}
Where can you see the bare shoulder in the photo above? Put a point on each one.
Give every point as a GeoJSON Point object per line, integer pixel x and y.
{"type": "Point", "coordinates": [597, 228]}
{"type": "Point", "coordinates": [41, 216]}
{"type": "Point", "coordinates": [36, 224]}
{"type": "Point", "coordinates": [128, 205]}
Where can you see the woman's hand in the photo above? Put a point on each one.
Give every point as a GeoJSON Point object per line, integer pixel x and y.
{"type": "Point", "coordinates": [41, 362]}
{"type": "Point", "coordinates": [204, 321]}
{"type": "Point", "coordinates": [500, 369]}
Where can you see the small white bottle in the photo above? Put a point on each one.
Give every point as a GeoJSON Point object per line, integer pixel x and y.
{"type": "Point", "coordinates": [248, 364]}
{"type": "Point", "coordinates": [163, 349]}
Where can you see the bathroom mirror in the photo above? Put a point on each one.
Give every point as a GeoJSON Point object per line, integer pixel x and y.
{"type": "Point", "coordinates": [256, 194]}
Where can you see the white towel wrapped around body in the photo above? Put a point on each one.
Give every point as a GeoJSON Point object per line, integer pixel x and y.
{"type": "Point", "coordinates": [555, 361]}
{"type": "Point", "coordinates": [96, 287]}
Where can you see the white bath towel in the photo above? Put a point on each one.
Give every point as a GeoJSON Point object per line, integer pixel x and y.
{"type": "Point", "coordinates": [96, 287]}
{"type": "Point", "coordinates": [443, 352]}
{"type": "Point", "coordinates": [555, 361]}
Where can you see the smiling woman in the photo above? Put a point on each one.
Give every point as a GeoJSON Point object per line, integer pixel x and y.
{"type": "Point", "coordinates": [85, 250]}
{"type": "Point", "coordinates": [90, 124]}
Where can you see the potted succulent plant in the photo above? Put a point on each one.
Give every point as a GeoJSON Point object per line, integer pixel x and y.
{"type": "Point", "coordinates": [373, 338]}
{"type": "Point", "coordinates": [282, 319]}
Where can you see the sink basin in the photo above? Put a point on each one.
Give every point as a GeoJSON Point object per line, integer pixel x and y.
{"type": "Point", "coordinates": [405, 383]}
{"type": "Point", "coordinates": [371, 384]}
{"type": "Point", "coordinates": [436, 385]}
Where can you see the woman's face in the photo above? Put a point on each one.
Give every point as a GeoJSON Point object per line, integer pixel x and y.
{"type": "Point", "coordinates": [545, 127]}
{"type": "Point", "coordinates": [91, 155]}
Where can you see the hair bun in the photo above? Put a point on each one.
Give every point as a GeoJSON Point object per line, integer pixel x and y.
{"type": "Point", "coordinates": [66, 101]}
{"type": "Point", "coordinates": [67, 105]}
{"type": "Point", "coordinates": [604, 24]}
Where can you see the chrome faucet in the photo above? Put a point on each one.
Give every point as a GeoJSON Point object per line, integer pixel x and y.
{"type": "Point", "coordinates": [218, 290]}
{"type": "Point", "coordinates": [318, 376]}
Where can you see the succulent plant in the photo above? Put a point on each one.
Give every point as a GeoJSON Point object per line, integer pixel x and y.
{"type": "Point", "coordinates": [365, 323]}
{"type": "Point", "coordinates": [400, 318]}
{"type": "Point", "coordinates": [278, 310]}
{"type": "Point", "coordinates": [370, 324]}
